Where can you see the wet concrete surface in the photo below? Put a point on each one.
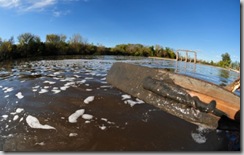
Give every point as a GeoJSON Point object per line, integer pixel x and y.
{"type": "Point", "coordinates": [53, 90]}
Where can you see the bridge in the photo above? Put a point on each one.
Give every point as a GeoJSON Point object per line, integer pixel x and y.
{"type": "Point", "coordinates": [177, 53]}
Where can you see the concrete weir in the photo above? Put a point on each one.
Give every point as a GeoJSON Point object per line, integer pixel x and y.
{"type": "Point", "coordinates": [129, 78]}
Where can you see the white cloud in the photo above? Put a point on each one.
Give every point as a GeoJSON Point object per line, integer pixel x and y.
{"type": "Point", "coordinates": [58, 13]}
{"type": "Point", "coordinates": [27, 5]}
{"type": "Point", "coordinates": [37, 5]}
{"type": "Point", "coordinates": [9, 3]}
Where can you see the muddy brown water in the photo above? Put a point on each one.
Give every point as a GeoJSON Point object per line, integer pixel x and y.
{"type": "Point", "coordinates": [52, 90]}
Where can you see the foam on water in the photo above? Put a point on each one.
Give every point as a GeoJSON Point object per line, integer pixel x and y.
{"type": "Point", "coordinates": [41, 143]}
{"type": "Point", "coordinates": [199, 136]}
{"type": "Point", "coordinates": [103, 127]}
{"type": "Point", "coordinates": [7, 90]}
{"type": "Point", "coordinates": [17, 111]}
{"type": "Point", "coordinates": [103, 79]}
{"type": "Point", "coordinates": [132, 103]}
{"type": "Point", "coordinates": [49, 82]}
{"type": "Point", "coordinates": [64, 88]}
{"type": "Point", "coordinates": [125, 96]}
{"type": "Point", "coordinates": [73, 117]}
{"type": "Point", "coordinates": [87, 116]}
{"type": "Point", "coordinates": [33, 122]}
{"type": "Point", "coordinates": [15, 117]}
{"type": "Point", "coordinates": [56, 91]}
{"type": "Point", "coordinates": [19, 95]}
{"type": "Point", "coordinates": [5, 116]}
{"type": "Point", "coordinates": [73, 134]}
{"type": "Point", "coordinates": [89, 99]}
{"type": "Point", "coordinates": [43, 91]}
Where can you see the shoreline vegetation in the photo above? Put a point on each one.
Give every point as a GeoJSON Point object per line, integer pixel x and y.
{"type": "Point", "coordinates": [31, 46]}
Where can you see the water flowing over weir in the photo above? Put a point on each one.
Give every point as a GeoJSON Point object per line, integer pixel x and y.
{"type": "Point", "coordinates": [67, 105]}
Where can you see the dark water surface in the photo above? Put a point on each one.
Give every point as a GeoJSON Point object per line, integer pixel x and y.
{"type": "Point", "coordinates": [67, 105]}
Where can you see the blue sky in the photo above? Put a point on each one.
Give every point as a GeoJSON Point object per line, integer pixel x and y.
{"type": "Point", "coordinates": [210, 27]}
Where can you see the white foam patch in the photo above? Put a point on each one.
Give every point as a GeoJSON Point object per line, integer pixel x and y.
{"type": "Point", "coordinates": [199, 136]}
{"type": "Point", "coordinates": [41, 143]}
{"type": "Point", "coordinates": [6, 96]}
{"type": "Point", "coordinates": [46, 87]}
{"type": "Point", "coordinates": [73, 134]}
{"type": "Point", "coordinates": [56, 91]}
{"type": "Point", "coordinates": [88, 89]}
{"type": "Point", "coordinates": [103, 79]}
{"type": "Point", "coordinates": [81, 82]}
{"type": "Point", "coordinates": [88, 78]}
{"type": "Point", "coordinates": [73, 117]}
{"type": "Point", "coordinates": [15, 117]}
{"type": "Point", "coordinates": [77, 76]}
{"type": "Point", "coordinates": [7, 90]}
{"type": "Point", "coordinates": [70, 83]}
{"type": "Point", "coordinates": [19, 95]}
{"type": "Point", "coordinates": [87, 116]}
{"type": "Point", "coordinates": [5, 116]}
{"type": "Point", "coordinates": [17, 111]}
{"type": "Point", "coordinates": [49, 82]}
{"type": "Point", "coordinates": [35, 87]}
{"type": "Point", "coordinates": [89, 99]}
{"type": "Point", "coordinates": [43, 91]}
{"type": "Point", "coordinates": [56, 73]}
{"type": "Point", "coordinates": [104, 119]}
{"type": "Point", "coordinates": [21, 119]}
{"type": "Point", "coordinates": [68, 79]}
{"type": "Point", "coordinates": [64, 87]}
{"type": "Point", "coordinates": [125, 96]}
{"type": "Point", "coordinates": [103, 127]}
{"type": "Point", "coordinates": [33, 122]}
{"type": "Point", "coordinates": [105, 86]}
{"type": "Point", "coordinates": [132, 103]}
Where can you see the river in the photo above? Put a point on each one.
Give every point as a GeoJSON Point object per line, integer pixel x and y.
{"type": "Point", "coordinates": [65, 104]}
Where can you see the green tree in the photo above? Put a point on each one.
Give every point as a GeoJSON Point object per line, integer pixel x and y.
{"type": "Point", "coordinates": [55, 38]}
{"type": "Point", "coordinates": [235, 65]}
{"type": "Point", "coordinates": [28, 45]}
{"type": "Point", "coordinates": [77, 39]}
{"type": "Point", "coordinates": [226, 60]}
{"type": "Point", "coordinates": [27, 38]}
{"type": "Point", "coordinates": [6, 50]}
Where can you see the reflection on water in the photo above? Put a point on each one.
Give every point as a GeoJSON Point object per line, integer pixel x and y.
{"type": "Point", "coordinates": [223, 75]}
{"type": "Point", "coordinates": [185, 67]}
{"type": "Point", "coordinates": [70, 95]}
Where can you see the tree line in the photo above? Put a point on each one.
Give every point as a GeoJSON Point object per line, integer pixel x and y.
{"type": "Point", "coordinates": [225, 62]}
{"type": "Point", "coordinates": [30, 45]}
